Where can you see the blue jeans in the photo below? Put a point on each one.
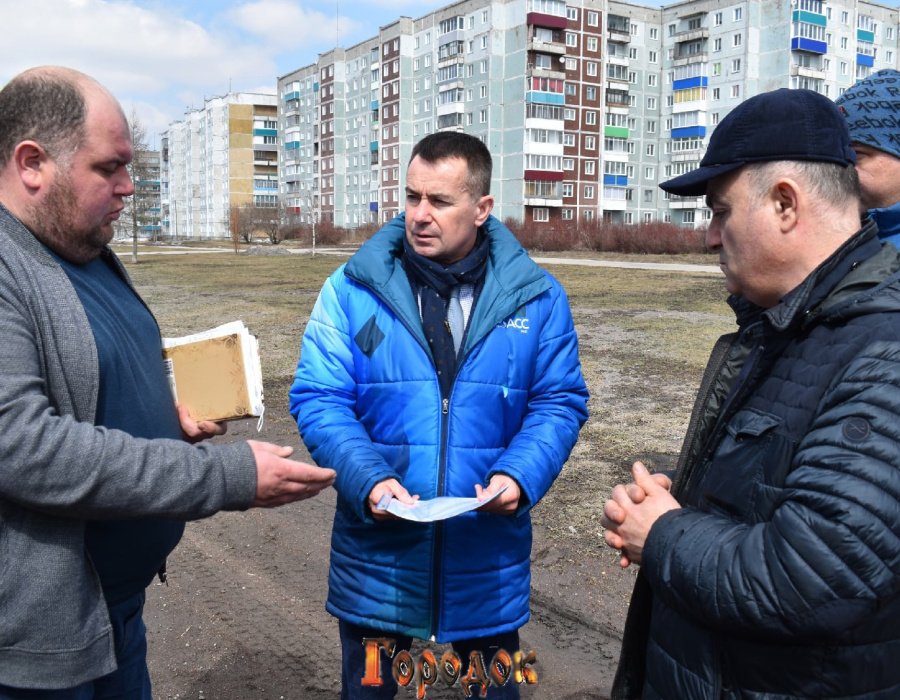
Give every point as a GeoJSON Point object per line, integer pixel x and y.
{"type": "Point", "coordinates": [130, 681]}
{"type": "Point", "coordinates": [353, 663]}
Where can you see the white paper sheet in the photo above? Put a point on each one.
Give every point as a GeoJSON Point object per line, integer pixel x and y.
{"type": "Point", "coordinates": [429, 511]}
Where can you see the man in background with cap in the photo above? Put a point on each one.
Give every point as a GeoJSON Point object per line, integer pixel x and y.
{"type": "Point", "coordinates": [872, 108]}
{"type": "Point", "coordinates": [770, 564]}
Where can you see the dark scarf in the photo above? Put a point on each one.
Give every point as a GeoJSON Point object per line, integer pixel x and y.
{"type": "Point", "coordinates": [435, 283]}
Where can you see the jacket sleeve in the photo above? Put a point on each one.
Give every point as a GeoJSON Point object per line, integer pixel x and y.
{"type": "Point", "coordinates": [557, 408]}
{"type": "Point", "coordinates": [829, 556]}
{"type": "Point", "coordinates": [323, 399]}
{"type": "Point", "coordinates": [56, 464]}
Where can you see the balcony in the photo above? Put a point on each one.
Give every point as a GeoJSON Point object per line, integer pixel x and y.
{"type": "Point", "coordinates": [535, 71]}
{"type": "Point", "coordinates": [618, 98]}
{"type": "Point", "coordinates": [618, 36]}
{"type": "Point", "coordinates": [691, 58]}
{"type": "Point", "coordinates": [691, 35]}
{"type": "Point", "coordinates": [807, 72]}
{"type": "Point", "coordinates": [547, 42]}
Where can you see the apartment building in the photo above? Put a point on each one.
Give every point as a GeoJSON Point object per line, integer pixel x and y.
{"type": "Point", "coordinates": [222, 155]}
{"type": "Point", "coordinates": [585, 105]}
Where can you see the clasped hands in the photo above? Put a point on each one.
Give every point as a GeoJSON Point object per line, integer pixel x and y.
{"type": "Point", "coordinates": [633, 509]}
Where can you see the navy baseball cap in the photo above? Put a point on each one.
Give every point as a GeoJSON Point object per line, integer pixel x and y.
{"type": "Point", "coordinates": [779, 125]}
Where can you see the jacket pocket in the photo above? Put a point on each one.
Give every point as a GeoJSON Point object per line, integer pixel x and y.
{"type": "Point", "coordinates": [750, 447]}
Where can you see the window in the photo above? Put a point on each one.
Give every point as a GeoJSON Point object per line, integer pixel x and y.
{"type": "Point", "coordinates": [590, 143]}
{"type": "Point", "coordinates": [484, 41]}
{"type": "Point", "coordinates": [571, 89]}
{"type": "Point", "coordinates": [591, 68]}
{"type": "Point", "coordinates": [483, 91]}
{"type": "Point", "coordinates": [571, 39]}
{"type": "Point", "coordinates": [571, 64]}
{"type": "Point", "coordinates": [568, 190]}
{"type": "Point", "coordinates": [632, 54]}
{"type": "Point", "coordinates": [568, 164]}
{"type": "Point", "coordinates": [651, 149]}
{"type": "Point", "coordinates": [735, 90]}
{"type": "Point", "coordinates": [843, 42]}
{"type": "Point", "coordinates": [845, 17]}
{"type": "Point", "coordinates": [736, 40]}
{"type": "Point", "coordinates": [593, 19]}
{"type": "Point", "coordinates": [736, 65]}
{"type": "Point", "coordinates": [717, 44]}
{"type": "Point", "coordinates": [648, 196]}
{"type": "Point", "coordinates": [649, 173]}
{"type": "Point", "coordinates": [651, 79]}
{"type": "Point", "coordinates": [589, 167]}
{"type": "Point", "coordinates": [569, 114]}
{"type": "Point", "coordinates": [568, 214]}
{"type": "Point", "coordinates": [541, 214]}
{"type": "Point", "coordinates": [568, 139]}
{"type": "Point", "coordinates": [889, 32]}
{"type": "Point", "coordinates": [484, 17]}
{"type": "Point", "coordinates": [592, 43]}
{"type": "Point", "coordinates": [738, 13]}
{"type": "Point", "coordinates": [654, 33]}
{"type": "Point", "coordinates": [482, 116]}
{"type": "Point", "coordinates": [651, 126]}
{"type": "Point", "coordinates": [653, 56]}
{"type": "Point", "coordinates": [651, 103]}
{"type": "Point", "coordinates": [688, 216]}
{"type": "Point", "coordinates": [716, 93]}
{"type": "Point", "coordinates": [590, 94]}
{"type": "Point", "coordinates": [889, 56]}
{"type": "Point", "coordinates": [717, 19]}
{"type": "Point", "coordinates": [588, 191]}
{"type": "Point", "coordinates": [483, 65]}
{"type": "Point", "coordinates": [572, 13]}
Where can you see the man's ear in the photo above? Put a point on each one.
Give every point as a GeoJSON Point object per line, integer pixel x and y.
{"type": "Point", "coordinates": [33, 164]}
{"type": "Point", "coordinates": [786, 200]}
{"type": "Point", "coordinates": [483, 209]}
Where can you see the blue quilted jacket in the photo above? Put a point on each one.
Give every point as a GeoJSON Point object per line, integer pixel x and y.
{"type": "Point", "coordinates": [368, 404]}
{"type": "Point", "coordinates": [779, 578]}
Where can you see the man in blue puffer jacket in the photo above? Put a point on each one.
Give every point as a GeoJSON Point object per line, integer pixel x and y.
{"type": "Point", "coordinates": [872, 108]}
{"type": "Point", "coordinates": [439, 361]}
{"type": "Point", "coordinates": [772, 567]}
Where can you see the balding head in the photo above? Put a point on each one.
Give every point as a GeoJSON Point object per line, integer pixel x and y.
{"type": "Point", "coordinates": [47, 105]}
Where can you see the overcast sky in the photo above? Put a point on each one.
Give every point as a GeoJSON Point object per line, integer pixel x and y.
{"type": "Point", "coordinates": [164, 57]}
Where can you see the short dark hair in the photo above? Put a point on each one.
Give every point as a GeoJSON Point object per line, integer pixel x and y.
{"type": "Point", "coordinates": [456, 144]}
{"type": "Point", "coordinates": [45, 107]}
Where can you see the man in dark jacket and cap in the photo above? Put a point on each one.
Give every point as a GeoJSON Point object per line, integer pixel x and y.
{"type": "Point", "coordinates": [770, 564]}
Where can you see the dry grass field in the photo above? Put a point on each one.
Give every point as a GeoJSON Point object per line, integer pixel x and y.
{"type": "Point", "coordinates": [644, 340]}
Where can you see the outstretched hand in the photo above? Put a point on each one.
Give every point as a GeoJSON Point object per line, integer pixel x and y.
{"type": "Point", "coordinates": [280, 480]}
{"type": "Point", "coordinates": [633, 509]}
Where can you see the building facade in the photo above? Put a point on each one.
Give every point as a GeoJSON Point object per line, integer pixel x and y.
{"type": "Point", "coordinates": [586, 105]}
{"type": "Point", "coordinates": [220, 156]}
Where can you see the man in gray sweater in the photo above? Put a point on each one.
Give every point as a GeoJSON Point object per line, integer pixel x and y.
{"type": "Point", "coordinates": [97, 468]}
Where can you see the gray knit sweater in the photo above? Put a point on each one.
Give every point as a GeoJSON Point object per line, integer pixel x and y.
{"type": "Point", "coordinates": [57, 470]}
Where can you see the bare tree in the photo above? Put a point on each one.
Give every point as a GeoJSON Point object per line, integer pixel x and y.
{"type": "Point", "coordinates": [265, 220]}
{"type": "Point", "coordinates": [142, 209]}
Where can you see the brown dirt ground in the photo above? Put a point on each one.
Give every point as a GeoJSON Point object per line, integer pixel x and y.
{"type": "Point", "coordinates": [244, 613]}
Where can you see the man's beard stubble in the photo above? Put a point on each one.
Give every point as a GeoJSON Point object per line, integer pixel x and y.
{"type": "Point", "coordinates": [53, 222]}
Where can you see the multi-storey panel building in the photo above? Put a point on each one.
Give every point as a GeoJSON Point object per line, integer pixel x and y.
{"type": "Point", "coordinates": [585, 105]}
{"type": "Point", "coordinates": [223, 155]}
